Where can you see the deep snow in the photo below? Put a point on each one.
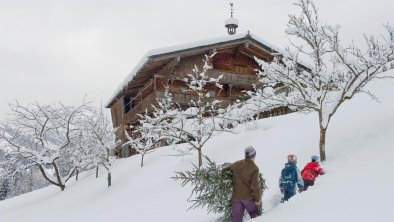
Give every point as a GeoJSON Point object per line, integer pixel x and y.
{"type": "Point", "coordinates": [358, 185]}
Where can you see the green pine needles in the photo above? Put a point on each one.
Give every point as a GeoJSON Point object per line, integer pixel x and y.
{"type": "Point", "coordinates": [212, 188]}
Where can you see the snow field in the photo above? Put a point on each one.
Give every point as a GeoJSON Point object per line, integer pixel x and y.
{"type": "Point", "coordinates": [358, 185]}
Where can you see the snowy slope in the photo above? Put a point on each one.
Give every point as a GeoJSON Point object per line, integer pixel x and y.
{"type": "Point", "coordinates": [358, 185]}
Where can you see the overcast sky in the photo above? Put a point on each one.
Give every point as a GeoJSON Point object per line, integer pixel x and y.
{"type": "Point", "coordinates": [53, 50]}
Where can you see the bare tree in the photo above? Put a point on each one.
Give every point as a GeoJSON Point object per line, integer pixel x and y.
{"type": "Point", "coordinates": [144, 140]}
{"type": "Point", "coordinates": [22, 181]}
{"type": "Point", "coordinates": [81, 154]}
{"type": "Point", "coordinates": [152, 126]}
{"type": "Point", "coordinates": [101, 140]}
{"type": "Point", "coordinates": [39, 135]}
{"type": "Point", "coordinates": [196, 125]}
{"type": "Point", "coordinates": [336, 74]}
{"type": "Point", "coordinates": [193, 126]}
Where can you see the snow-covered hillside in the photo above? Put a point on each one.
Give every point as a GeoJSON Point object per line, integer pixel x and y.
{"type": "Point", "coordinates": [358, 185]}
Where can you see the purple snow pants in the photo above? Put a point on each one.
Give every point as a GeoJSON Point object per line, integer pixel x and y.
{"type": "Point", "coordinates": [238, 208]}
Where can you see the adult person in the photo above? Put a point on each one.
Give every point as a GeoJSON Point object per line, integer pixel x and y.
{"type": "Point", "coordinates": [246, 191]}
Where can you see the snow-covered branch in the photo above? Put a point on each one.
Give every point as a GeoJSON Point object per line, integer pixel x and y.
{"type": "Point", "coordinates": [40, 135]}
{"type": "Point", "coordinates": [193, 126]}
{"type": "Point", "coordinates": [337, 73]}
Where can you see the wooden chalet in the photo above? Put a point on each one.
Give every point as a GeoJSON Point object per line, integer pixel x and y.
{"type": "Point", "coordinates": [234, 59]}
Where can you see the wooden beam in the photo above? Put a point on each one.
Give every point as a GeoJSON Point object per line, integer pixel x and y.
{"type": "Point", "coordinates": [252, 52]}
{"type": "Point", "coordinates": [170, 67]}
{"type": "Point", "coordinates": [237, 50]}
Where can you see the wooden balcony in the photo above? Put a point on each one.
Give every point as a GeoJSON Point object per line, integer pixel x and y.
{"type": "Point", "coordinates": [145, 104]}
{"type": "Point", "coordinates": [185, 99]}
{"type": "Point", "coordinates": [153, 90]}
{"type": "Point", "coordinates": [182, 99]}
{"type": "Point", "coordinates": [233, 78]}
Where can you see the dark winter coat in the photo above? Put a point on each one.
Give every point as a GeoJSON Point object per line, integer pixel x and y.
{"type": "Point", "coordinates": [246, 180]}
{"type": "Point", "coordinates": [290, 177]}
{"type": "Point", "coordinates": [311, 171]}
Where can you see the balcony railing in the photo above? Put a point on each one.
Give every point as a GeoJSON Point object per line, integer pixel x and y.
{"type": "Point", "coordinates": [186, 98]}
{"type": "Point", "coordinates": [233, 78]}
{"type": "Point", "coordinates": [148, 95]}
{"type": "Point", "coordinates": [182, 99]}
{"type": "Point", "coordinates": [145, 104]}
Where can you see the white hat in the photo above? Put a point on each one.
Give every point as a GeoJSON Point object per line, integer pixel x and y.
{"type": "Point", "coordinates": [250, 151]}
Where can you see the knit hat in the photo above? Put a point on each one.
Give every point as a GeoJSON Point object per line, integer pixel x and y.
{"type": "Point", "coordinates": [315, 158]}
{"type": "Point", "coordinates": [250, 152]}
{"type": "Point", "coordinates": [291, 158]}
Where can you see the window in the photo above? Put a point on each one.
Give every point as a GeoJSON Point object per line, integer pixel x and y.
{"type": "Point", "coordinates": [127, 104]}
{"type": "Point", "coordinates": [125, 151]}
{"type": "Point", "coordinates": [182, 90]}
{"type": "Point", "coordinates": [211, 93]}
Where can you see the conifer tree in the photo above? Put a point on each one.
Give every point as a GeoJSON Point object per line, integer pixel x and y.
{"type": "Point", "coordinates": [212, 188]}
{"type": "Point", "coordinates": [4, 189]}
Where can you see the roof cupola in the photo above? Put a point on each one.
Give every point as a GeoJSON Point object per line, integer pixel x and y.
{"type": "Point", "coordinates": [231, 23]}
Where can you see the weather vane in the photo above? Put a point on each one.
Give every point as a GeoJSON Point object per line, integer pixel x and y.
{"type": "Point", "coordinates": [232, 9]}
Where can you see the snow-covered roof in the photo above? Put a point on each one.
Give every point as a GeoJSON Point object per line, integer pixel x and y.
{"type": "Point", "coordinates": [231, 21]}
{"type": "Point", "coordinates": [209, 42]}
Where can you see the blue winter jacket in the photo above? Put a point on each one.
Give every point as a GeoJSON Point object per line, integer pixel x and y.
{"type": "Point", "coordinates": [290, 176]}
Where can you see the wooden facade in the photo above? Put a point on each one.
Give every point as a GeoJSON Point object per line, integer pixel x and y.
{"type": "Point", "coordinates": [234, 59]}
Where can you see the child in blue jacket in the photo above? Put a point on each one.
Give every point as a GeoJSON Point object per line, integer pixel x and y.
{"type": "Point", "coordinates": [290, 178]}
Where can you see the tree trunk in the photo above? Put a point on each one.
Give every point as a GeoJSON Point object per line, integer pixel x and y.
{"type": "Point", "coordinates": [76, 174]}
{"type": "Point", "coordinates": [199, 157]}
{"type": "Point", "coordinates": [108, 155]}
{"type": "Point", "coordinates": [49, 180]}
{"type": "Point", "coordinates": [142, 160]}
{"type": "Point", "coordinates": [322, 141]}
{"type": "Point", "coordinates": [97, 172]}
{"type": "Point", "coordinates": [109, 178]}
{"type": "Point", "coordinates": [322, 144]}
{"type": "Point", "coordinates": [59, 180]}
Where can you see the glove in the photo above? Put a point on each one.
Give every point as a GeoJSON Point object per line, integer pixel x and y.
{"type": "Point", "coordinates": [282, 190]}
{"type": "Point", "coordinates": [300, 190]}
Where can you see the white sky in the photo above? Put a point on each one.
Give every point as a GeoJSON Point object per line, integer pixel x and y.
{"type": "Point", "coordinates": [53, 50]}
